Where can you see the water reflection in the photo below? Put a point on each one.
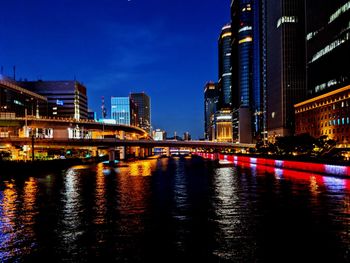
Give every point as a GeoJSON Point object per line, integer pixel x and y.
{"type": "Point", "coordinates": [100, 195]}
{"type": "Point", "coordinates": [71, 221]}
{"type": "Point", "coordinates": [181, 209]}
{"type": "Point", "coordinates": [227, 216]}
{"type": "Point", "coordinates": [8, 230]}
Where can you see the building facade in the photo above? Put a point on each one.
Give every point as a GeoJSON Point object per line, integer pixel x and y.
{"type": "Point", "coordinates": [286, 77]}
{"type": "Point", "coordinates": [222, 127]}
{"type": "Point", "coordinates": [225, 74]}
{"type": "Point", "coordinates": [120, 110]}
{"type": "Point", "coordinates": [143, 102]}
{"type": "Point", "coordinates": [325, 115]}
{"type": "Point", "coordinates": [18, 102]}
{"type": "Point", "coordinates": [66, 99]}
{"type": "Point", "coordinates": [328, 45]}
{"type": "Point", "coordinates": [211, 101]}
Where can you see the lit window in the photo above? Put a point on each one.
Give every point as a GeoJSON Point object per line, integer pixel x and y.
{"type": "Point", "coordinates": [286, 19]}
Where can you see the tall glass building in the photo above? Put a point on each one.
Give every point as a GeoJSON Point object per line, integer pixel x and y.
{"type": "Point", "coordinates": [120, 110]}
{"type": "Point", "coordinates": [225, 74]}
{"type": "Point", "coordinates": [286, 80]}
{"type": "Point", "coordinates": [143, 102]}
{"type": "Point", "coordinates": [211, 100]}
{"type": "Point", "coordinates": [328, 45]}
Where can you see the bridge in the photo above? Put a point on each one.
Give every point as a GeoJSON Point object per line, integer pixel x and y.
{"type": "Point", "coordinates": [26, 136]}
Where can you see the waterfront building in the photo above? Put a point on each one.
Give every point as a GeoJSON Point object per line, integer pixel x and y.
{"type": "Point", "coordinates": [328, 45]}
{"type": "Point", "coordinates": [16, 101]}
{"type": "Point", "coordinates": [211, 100]}
{"type": "Point", "coordinates": [286, 80]}
{"type": "Point", "coordinates": [325, 115]}
{"type": "Point", "coordinates": [143, 102]}
{"type": "Point", "coordinates": [66, 99]}
{"type": "Point", "coordinates": [248, 69]}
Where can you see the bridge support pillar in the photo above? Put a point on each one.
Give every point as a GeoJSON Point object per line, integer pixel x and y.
{"type": "Point", "coordinates": [121, 150]}
{"type": "Point", "coordinates": [111, 155]}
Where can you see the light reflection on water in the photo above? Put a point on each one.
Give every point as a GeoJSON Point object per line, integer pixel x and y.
{"type": "Point", "coordinates": [173, 209]}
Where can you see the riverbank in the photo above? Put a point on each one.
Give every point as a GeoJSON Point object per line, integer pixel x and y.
{"type": "Point", "coordinates": [280, 163]}
{"type": "Point", "coordinates": [38, 166]}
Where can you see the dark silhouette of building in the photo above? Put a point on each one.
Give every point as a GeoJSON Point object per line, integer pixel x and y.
{"type": "Point", "coordinates": [16, 101]}
{"type": "Point", "coordinates": [67, 99]}
{"type": "Point", "coordinates": [143, 102]}
{"type": "Point", "coordinates": [328, 45]}
{"type": "Point", "coordinates": [286, 80]}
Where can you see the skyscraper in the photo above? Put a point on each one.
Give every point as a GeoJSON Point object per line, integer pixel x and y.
{"type": "Point", "coordinates": [242, 69]}
{"type": "Point", "coordinates": [286, 84]}
{"type": "Point", "coordinates": [143, 102]}
{"type": "Point", "coordinates": [225, 74]}
{"type": "Point", "coordinates": [222, 130]}
{"type": "Point", "coordinates": [211, 100]}
{"type": "Point", "coordinates": [328, 45]}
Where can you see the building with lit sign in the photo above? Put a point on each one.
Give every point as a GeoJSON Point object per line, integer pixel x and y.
{"type": "Point", "coordinates": [18, 102]}
{"type": "Point", "coordinates": [66, 99]}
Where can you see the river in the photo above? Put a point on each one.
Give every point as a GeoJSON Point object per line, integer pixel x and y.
{"type": "Point", "coordinates": [174, 210]}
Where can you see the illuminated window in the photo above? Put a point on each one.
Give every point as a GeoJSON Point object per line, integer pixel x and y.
{"type": "Point", "coordinates": [286, 19]}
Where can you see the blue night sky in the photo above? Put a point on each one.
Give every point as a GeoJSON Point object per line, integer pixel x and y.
{"type": "Point", "coordinates": [167, 49]}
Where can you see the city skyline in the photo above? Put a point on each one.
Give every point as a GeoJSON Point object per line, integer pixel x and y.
{"type": "Point", "coordinates": [115, 48]}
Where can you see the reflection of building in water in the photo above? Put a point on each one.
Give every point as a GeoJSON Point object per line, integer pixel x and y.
{"type": "Point", "coordinates": [100, 193]}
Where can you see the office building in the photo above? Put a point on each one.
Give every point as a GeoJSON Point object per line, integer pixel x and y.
{"type": "Point", "coordinates": [325, 115]}
{"type": "Point", "coordinates": [286, 80]}
{"type": "Point", "coordinates": [66, 99]}
{"type": "Point", "coordinates": [326, 111]}
{"type": "Point", "coordinates": [124, 111]}
{"type": "Point", "coordinates": [143, 102]}
{"type": "Point", "coordinates": [211, 100]}
{"type": "Point", "coordinates": [242, 70]}
{"type": "Point", "coordinates": [225, 79]}
{"type": "Point", "coordinates": [328, 45]}
{"type": "Point", "coordinates": [16, 101]}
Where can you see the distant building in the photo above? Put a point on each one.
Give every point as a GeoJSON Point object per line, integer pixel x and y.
{"type": "Point", "coordinates": [211, 100]}
{"type": "Point", "coordinates": [66, 99]}
{"type": "Point", "coordinates": [16, 101]}
{"type": "Point", "coordinates": [328, 45]}
{"type": "Point", "coordinates": [286, 77]}
{"type": "Point", "coordinates": [159, 135]}
{"type": "Point", "coordinates": [187, 136]}
{"type": "Point", "coordinates": [92, 115]}
{"type": "Point", "coordinates": [143, 102]}
{"type": "Point", "coordinates": [124, 110]}
{"type": "Point", "coordinates": [325, 115]}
